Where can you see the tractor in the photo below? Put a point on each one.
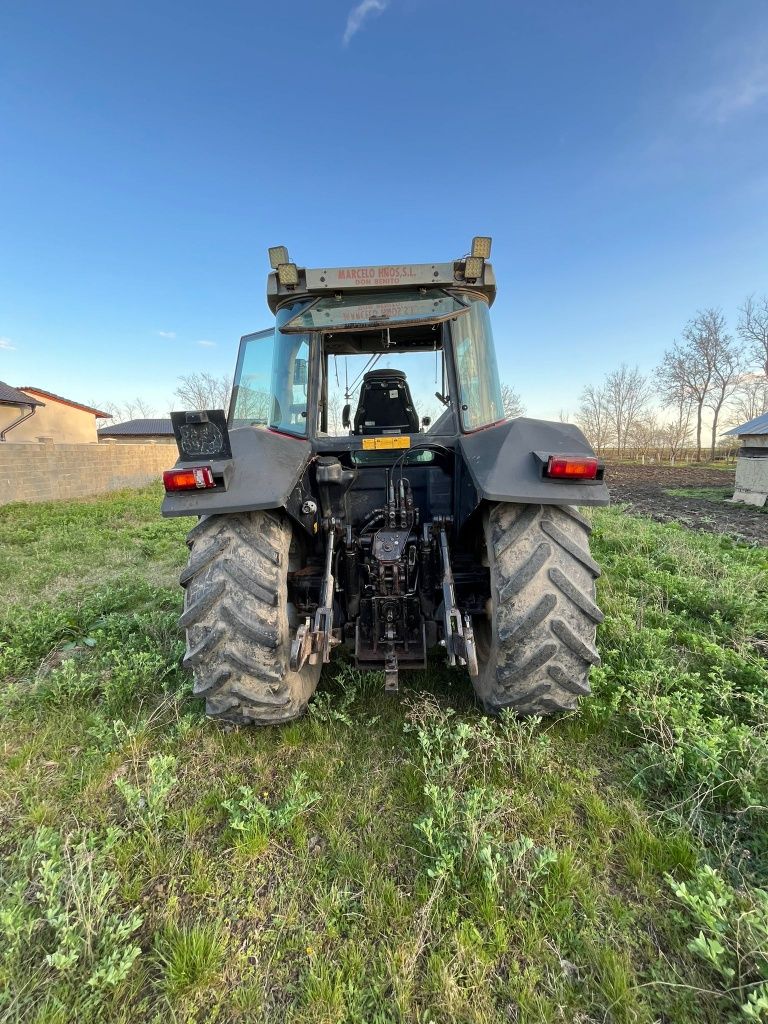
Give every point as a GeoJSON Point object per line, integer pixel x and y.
{"type": "Point", "coordinates": [366, 490]}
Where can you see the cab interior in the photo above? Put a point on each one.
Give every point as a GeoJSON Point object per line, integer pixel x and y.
{"type": "Point", "coordinates": [375, 371]}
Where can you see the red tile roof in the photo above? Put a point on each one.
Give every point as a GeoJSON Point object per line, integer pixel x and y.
{"type": "Point", "coordinates": [12, 396]}
{"type": "Point", "coordinates": [66, 401]}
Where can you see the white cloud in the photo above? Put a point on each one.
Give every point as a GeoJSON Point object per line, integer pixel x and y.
{"type": "Point", "coordinates": [167, 334]}
{"type": "Point", "coordinates": [737, 94]}
{"type": "Point", "coordinates": [207, 344]}
{"type": "Point", "coordinates": [5, 343]}
{"type": "Point", "coordinates": [359, 13]}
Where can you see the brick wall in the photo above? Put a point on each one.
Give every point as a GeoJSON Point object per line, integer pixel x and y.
{"type": "Point", "coordinates": [42, 472]}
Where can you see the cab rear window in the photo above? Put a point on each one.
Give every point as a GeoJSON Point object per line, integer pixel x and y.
{"type": "Point", "coordinates": [353, 312]}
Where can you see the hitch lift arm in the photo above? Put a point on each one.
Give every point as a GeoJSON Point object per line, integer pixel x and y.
{"type": "Point", "coordinates": [459, 638]}
{"type": "Point", "coordinates": [309, 643]}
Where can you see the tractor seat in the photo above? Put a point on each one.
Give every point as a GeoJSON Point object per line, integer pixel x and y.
{"type": "Point", "coordinates": [385, 405]}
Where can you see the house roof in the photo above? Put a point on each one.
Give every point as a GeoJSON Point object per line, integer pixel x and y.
{"type": "Point", "coordinates": [12, 396]}
{"type": "Point", "coordinates": [67, 401]}
{"type": "Point", "coordinates": [138, 428]}
{"type": "Point", "coordinates": [759, 425]}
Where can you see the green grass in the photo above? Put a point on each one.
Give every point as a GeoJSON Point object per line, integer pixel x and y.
{"type": "Point", "coordinates": [715, 494]}
{"type": "Point", "coordinates": [381, 860]}
{"type": "Point", "coordinates": [705, 493]}
{"type": "Point", "coordinates": [189, 957]}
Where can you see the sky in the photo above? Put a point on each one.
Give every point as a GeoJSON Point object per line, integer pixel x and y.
{"type": "Point", "coordinates": [151, 152]}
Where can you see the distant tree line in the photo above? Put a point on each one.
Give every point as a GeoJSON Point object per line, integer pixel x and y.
{"type": "Point", "coordinates": [193, 391]}
{"type": "Point", "coordinates": [133, 408]}
{"type": "Point", "coordinates": [706, 374]}
{"type": "Point", "coordinates": [207, 391]}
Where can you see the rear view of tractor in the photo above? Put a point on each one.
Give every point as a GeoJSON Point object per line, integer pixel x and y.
{"type": "Point", "coordinates": [366, 490]}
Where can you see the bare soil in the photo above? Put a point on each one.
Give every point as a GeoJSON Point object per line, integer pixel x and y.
{"type": "Point", "coordinates": [643, 489]}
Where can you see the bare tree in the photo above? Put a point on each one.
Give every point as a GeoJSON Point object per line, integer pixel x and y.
{"type": "Point", "coordinates": [513, 404]}
{"type": "Point", "coordinates": [752, 328]}
{"type": "Point", "coordinates": [686, 370]}
{"type": "Point", "coordinates": [203, 391]}
{"type": "Point", "coordinates": [627, 394]}
{"type": "Point", "coordinates": [647, 432]}
{"type": "Point", "coordinates": [664, 436]}
{"type": "Point", "coordinates": [750, 399]}
{"type": "Point", "coordinates": [335, 426]}
{"type": "Point", "coordinates": [705, 369]}
{"type": "Point", "coordinates": [143, 408]}
{"type": "Point", "coordinates": [127, 411]}
{"type": "Point", "coordinates": [728, 367]}
{"type": "Point", "coordinates": [677, 429]}
{"type": "Point", "coordinates": [111, 408]}
{"type": "Point", "coordinates": [728, 446]}
{"type": "Point", "coordinates": [252, 404]}
{"type": "Point", "coordinates": [592, 417]}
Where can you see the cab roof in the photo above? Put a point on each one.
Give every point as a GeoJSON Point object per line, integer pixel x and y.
{"type": "Point", "coordinates": [313, 283]}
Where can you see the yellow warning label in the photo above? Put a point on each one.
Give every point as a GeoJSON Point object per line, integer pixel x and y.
{"type": "Point", "coordinates": [377, 443]}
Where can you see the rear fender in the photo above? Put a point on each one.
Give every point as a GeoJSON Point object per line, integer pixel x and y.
{"type": "Point", "coordinates": [267, 472]}
{"type": "Point", "coordinates": [504, 463]}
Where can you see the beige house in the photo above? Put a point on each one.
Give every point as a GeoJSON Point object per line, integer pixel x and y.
{"type": "Point", "coordinates": [32, 415]}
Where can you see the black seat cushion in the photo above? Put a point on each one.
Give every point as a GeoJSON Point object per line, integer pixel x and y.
{"type": "Point", "coordinates": [384, 375]}
{"type": "Point", "coordinates": [385, 404]}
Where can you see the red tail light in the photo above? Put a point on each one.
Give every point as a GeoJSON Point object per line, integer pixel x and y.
{"type": "Point", "coordinates": [193, 479]}
{"type": "Point", "coordinates": [566, 467]}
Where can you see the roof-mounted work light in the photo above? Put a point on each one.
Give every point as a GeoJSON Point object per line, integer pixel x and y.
{"type": "Point", "coordinates": [278, 254]}
{"type": "Point", "coordinates": [481, 246]}
{"type": "Point", "coordinates": [473, 267]}
{"type": "Point", "coordinates": [288, 274]}
{"type": "Point", "coordinates": [474, 264]}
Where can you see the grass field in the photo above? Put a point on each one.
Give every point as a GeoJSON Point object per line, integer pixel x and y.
{"type": "Point", "coordinates": [716, 494]}
{"type": "Point", "coordinates": [381, 860]}
{"type": "Point", "coordinates": [705, 493]}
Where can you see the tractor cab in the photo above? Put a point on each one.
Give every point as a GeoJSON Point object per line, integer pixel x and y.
{"type": "Point", "coordinates": [356, 364]}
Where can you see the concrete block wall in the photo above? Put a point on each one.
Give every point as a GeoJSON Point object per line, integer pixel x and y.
{"type": "Point", "coordinates": [44, 472]}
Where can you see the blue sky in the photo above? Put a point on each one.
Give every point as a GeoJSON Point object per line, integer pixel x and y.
{"type": "Point", "coordinates": [150, 152]}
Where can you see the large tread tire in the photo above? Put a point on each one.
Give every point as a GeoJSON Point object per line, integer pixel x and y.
{"type": "Point", "coordinates": [537, 644]}
{"type": "Point", "coordinates": [236, 620]}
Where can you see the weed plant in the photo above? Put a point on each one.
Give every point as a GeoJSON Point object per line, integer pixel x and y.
{"type": "Point", "coordinates": [379, 861]}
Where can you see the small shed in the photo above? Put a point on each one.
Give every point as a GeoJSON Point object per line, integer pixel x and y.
{"type": "Point", "coordinates": [158, 431]}
{"type": "Point", "coordinates": [752, 461]}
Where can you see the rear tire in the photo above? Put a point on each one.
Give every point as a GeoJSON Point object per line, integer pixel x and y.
{"type": "Point", "coordinates": [236, 620]}
{"type": "Point", "coordinates": [537, 643]}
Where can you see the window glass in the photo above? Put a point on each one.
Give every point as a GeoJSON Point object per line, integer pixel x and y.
{"type": "Point", "coordinates": [251, 393]}
{"type": "Point", "coordinates": [354, 311]}
{"type": "Point", "coordinates": [423, 371]}
{"type": "Point", "coordinates": [478, 375]}
{"type": "Point", "coordinates": [272, 378]}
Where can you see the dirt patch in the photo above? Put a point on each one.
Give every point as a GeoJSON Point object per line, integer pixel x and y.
{"type": "Point", "coordinates": [644, 490]}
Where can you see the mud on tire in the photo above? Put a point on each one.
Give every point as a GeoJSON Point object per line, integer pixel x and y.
{"type": "Point", "coordinates": [236, 620]}
{"type": "Point", "coordinates": [537, 644]}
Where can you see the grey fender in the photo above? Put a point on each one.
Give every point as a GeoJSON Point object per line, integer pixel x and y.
{"type": "Point", "coordinates": [265, 469]}
{"type": "Point", "coordinates": [506, 463]}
